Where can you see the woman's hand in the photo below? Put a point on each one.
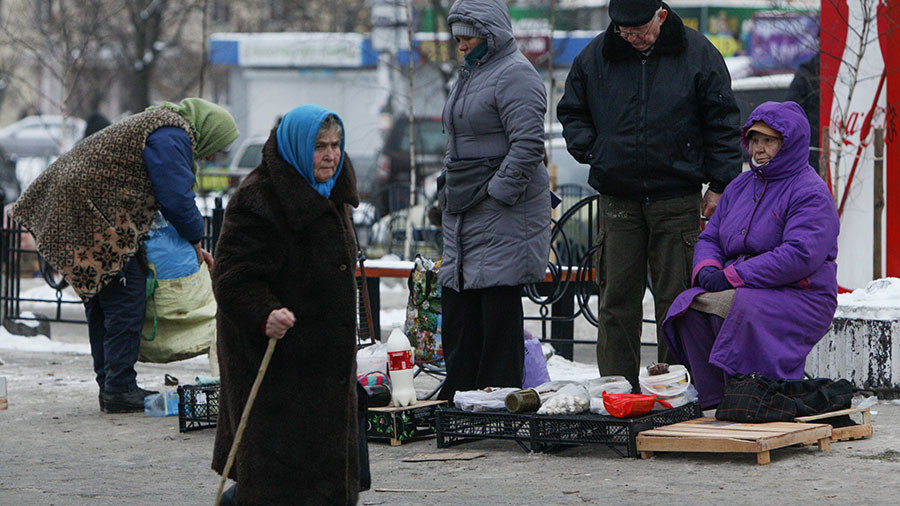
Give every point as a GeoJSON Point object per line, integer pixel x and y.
{"type": "Point", "coordinates": [712, 279]}
{"type": "Point", "coordinates": [203, 256]}
{"type": "Point", "coordinates": [278, 322]}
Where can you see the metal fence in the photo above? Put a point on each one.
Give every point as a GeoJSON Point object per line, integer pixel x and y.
{"type": "Point", "coordinates": [566, 296]}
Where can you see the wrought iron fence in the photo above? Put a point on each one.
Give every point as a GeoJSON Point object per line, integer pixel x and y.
{"type": "Point", "coordinates": [16, 250]}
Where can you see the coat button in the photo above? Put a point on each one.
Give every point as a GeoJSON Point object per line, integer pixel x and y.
{"type": "Point", "coordinates": [342, 267]}
{"type": "Point", "coordinates": [516, 173]}
{"type": "Point", "coordinates": [743, 231]}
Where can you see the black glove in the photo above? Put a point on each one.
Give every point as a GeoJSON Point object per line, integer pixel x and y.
{"type": "Point", "coordinates": [712, 279]}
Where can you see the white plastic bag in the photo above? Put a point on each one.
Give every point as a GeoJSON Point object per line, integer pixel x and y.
{"type": "Point", "coordinates": [372, 358]}
{"type": "Point", "coordinates": [488, 399]}
{"type": "Point", "coordinates": [611, 384]}
{"type": "Point", "coordinates": [568, 400]}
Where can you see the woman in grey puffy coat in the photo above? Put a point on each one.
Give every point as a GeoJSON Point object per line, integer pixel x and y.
{"type": "Point", "coordinates": [495, 196]}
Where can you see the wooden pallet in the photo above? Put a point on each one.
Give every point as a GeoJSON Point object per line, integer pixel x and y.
{"type": "Point", "coordinates": [861, 431]}
{"type": "Point", "coordinates": [714, 436]}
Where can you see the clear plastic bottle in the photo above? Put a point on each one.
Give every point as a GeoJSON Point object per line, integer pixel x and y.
{"type": "Point", "coordinates": [161, 404]}
{"type": "Point", "coordinates": [400, 368]}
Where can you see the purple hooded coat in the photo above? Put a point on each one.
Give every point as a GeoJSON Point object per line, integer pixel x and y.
{"type": "Point", "coordinates": [775, 234]}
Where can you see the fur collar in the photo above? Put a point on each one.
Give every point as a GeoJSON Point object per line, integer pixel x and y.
{"type": "Point", "coordinates": [671, 39]}
{"type": "Point", "coordinates": [298, 200]}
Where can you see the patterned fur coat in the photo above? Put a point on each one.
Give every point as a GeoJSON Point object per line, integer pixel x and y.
{"type": "Point", "coordinates": [92, 207]}
{"type": "Point", "coordinates": [284, 245]}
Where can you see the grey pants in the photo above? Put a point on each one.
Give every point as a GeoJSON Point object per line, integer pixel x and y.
{"type": "Point", "coordinates": [633, 236]}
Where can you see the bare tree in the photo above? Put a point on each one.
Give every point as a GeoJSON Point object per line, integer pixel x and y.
{"type": "Point", "coordinates": [60, 40]}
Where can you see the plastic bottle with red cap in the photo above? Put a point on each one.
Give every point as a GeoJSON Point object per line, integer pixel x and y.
{"type": "Point", "coordinates": [400, 368]}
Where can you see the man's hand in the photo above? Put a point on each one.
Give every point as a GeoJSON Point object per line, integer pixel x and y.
{"type": "Point", "coordinates": [203, 256]}
{"type": "Point", "coordinates": [278, 322]}
{"type": "Point", "coordinates": [710, 202]}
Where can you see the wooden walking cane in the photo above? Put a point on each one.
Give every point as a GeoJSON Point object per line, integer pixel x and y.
{"type": "Point", "coordinates": [246, 414]}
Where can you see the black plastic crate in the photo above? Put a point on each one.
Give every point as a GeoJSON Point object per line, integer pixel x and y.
{"type": "Point", "coordinates": [454, 426]}
{"type": "Point", "coordinates": [546, 432]}
{"type": "Point", "coordinates": [198, 407]}
{"type": "Point", "coordinates": [616, 433]}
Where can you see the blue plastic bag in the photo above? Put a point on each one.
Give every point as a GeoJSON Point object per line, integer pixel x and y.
{"type": "Point", "coordinates": [172, 255]}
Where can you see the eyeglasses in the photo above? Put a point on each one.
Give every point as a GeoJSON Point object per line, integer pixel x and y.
{"type": "Point", "coordinates": [636, 34]}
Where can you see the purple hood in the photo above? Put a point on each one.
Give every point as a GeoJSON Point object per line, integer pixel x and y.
{"type": "Point", "coordinates": [788, 119]}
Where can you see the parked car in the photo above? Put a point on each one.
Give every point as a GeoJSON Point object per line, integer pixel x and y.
{"type": "Point", "coordinates": [244, 159]}
{"type": "Point", "coordinates": [248, 155]}
{"type": "Point", "coordinates": [9, 183]}
{"type": "Point", "coordinates": [35, 136]}
{"type": "Point", "coordinates": [392, 168]}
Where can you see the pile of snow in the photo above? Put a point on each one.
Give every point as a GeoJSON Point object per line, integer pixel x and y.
{"type": "Point", "coordinates": [879, 300]}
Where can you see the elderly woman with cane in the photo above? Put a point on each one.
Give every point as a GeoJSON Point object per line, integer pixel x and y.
{"type": "Point", "coordinates": [285, 271]}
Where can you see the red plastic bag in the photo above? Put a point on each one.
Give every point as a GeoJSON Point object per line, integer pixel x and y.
{"type": "Point", "coordinates": [630, 405]}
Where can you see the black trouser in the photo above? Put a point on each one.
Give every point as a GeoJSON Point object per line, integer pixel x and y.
{"type": "Point", "coordinates": [482, 338]}
{"type": "Point", "coordinates": [115, 319]}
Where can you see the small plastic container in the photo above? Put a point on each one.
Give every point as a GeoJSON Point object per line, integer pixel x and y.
{"type": "Point", "coordinates": [161, 404]}
{"type": "Point", "coordinates": [671, 387]}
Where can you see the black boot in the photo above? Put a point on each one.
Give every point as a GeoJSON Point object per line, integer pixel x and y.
{"type": "Point", "coordinates": [124, 402]}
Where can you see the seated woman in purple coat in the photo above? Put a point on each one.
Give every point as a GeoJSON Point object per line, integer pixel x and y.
{"type": "Point", "coordinates": [765, 278]}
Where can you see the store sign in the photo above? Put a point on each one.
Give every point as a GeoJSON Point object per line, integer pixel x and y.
{"type": "Point", "coordinates": [781, 42]}
{"type": "Point", "coordinates": [308, 50]}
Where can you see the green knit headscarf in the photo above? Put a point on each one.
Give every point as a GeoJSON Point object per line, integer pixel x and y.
{"type": "Point", "coordinates": [213, 126]}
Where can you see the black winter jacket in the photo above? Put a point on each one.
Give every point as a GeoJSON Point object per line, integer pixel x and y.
{"type": "Point", "coordinates": [652, 127]}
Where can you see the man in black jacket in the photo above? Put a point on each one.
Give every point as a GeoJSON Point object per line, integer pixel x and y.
{"type": "Point", "coordinates": [648, 105]}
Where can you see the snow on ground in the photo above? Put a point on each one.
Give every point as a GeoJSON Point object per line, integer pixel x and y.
{"type": "Point", "coordinates": [45, 292]}
{"type": "Point", "coordinates": [391, 317]}
{"type": "Point", "coordinates": [40, 343]}
{"type": "Point", "coordinates": [879, 300]}
{"type": "Point", "coordinates": [563, 369]}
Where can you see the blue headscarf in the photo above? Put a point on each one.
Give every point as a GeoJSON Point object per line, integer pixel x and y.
{"type": "Point", "coordinates": [296, 137]}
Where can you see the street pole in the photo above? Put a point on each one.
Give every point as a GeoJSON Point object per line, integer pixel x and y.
{"type": "Point", "coordinates": [412, 136]}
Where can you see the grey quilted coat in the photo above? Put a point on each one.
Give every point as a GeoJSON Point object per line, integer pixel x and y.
{"type": "Point", "coordinates": [496, 110]}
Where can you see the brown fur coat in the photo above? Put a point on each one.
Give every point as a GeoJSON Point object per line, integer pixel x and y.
{"type": "Point", "coordinates": [284, 245]}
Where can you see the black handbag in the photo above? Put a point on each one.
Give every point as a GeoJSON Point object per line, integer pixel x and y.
{"type": "Point", "coordinates": [754, 398]}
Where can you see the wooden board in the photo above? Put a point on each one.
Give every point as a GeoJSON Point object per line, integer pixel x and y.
{"type": "Point", "coordinates": [714, 436]}
{"type": "Point", "coordinates": [395, 409]}
{"type": "Point", "coordinates": [430, 457]}
{"type": "Point", "coordinates": [861, 431]}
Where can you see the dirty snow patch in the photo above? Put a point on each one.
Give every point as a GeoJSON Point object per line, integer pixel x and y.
{"type": "Point", "coordinates": [879, 300]}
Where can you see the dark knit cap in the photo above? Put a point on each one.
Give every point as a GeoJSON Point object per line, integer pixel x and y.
{"type": "Point", "coordinates": [633, 12]}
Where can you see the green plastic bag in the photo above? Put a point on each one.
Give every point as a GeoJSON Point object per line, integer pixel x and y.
{"type": "Point", "coordinates": [180, 319]}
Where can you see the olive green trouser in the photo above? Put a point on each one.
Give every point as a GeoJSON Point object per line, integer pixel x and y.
{"type": "Point", "coordinates": [633, 236]}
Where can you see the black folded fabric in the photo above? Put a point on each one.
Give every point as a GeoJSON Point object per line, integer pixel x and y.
{"type": "Point", "coordinates": [754, 398]}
